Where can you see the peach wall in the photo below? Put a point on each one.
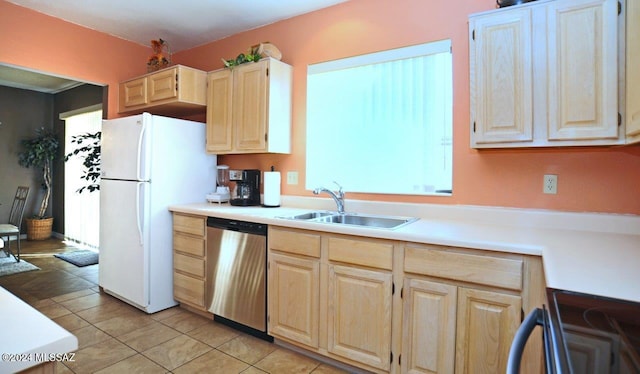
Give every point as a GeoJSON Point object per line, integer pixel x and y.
{"type": "Point", "coordinates": [595, 179]}
{"type": "Point", "coordinates": [46, 44]}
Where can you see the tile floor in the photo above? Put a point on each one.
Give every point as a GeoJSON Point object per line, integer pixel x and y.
{"type": "Point", "coordinates": [115, 337]}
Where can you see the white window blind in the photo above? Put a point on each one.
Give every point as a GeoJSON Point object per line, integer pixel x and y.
{"type": "Point", "coordinates": [81, 210]}
{"type": "Point", "coordinates": [382, 123]}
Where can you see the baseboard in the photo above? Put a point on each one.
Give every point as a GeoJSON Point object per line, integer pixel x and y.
{"type": "Point", "coordinates": [56, 235]}
{"type": "Point", "coordinates": [13, 237]}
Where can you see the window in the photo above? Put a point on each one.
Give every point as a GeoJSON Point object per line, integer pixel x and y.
{"type": "Point", "coordinates": [382, 123]}
{"type": "Point", "coordinates": [81, 210]}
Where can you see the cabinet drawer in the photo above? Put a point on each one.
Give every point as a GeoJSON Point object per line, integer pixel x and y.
{"type": "Point", "coordinates": [296, 242]}
{"type": "Point", "coordinates": [188, 289]}
{"type": "Point", "coordinates": [475, 268]}
{"type": "Point", "coordinates": [189, 224]}
{"type": "Point", "coordinates": [186, 264]}
{"type": "Point", "coordinates": [361, 252]}
{"type": "Point", "coordinates": [188, 244]}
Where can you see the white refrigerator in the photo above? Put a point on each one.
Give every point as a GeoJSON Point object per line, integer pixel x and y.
{"type": "Point", "coordinates": [148, 162]}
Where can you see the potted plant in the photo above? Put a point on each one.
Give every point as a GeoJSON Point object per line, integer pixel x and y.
{"type": "Point", "coordinates": [251, 56]}
{"type": "Point", "coordinates": [39, 152]}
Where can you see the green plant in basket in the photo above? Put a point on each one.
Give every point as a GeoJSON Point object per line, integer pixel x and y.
{"type": "Point", "coordinates": [39, 152]}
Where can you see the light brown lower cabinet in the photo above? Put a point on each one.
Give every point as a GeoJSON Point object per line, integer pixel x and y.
{"type": "Point", "coordinates": [487, 323]}
{"type": "Point", "coordinates": [293, 286]}
{"type": "Point", "coordinates": [331, 294]}
{"type": "Point", "coordinates": [189, 260]}
{"type": "Point", "coordinates": [429, 317]}
{"type": "Point", "coordinates": [396, 307]}
{"type": "Point", "coordinates": [462, 308]}
{"type": "Point", "coordinates": [359, 315]}
{"type": "Point", "coordinates": [456, 329]}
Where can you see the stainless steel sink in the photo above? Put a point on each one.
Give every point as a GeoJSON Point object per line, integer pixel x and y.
{"type": "Point", "coordinates": [311, 215]}
{"type": "Point", "coordinates": [364, 220]}
{"type": "Point", "coordinates": [385, 222]}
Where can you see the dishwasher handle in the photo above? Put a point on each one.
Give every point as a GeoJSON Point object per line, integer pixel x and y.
{"type": "Point", "coordinates": [235, 225]}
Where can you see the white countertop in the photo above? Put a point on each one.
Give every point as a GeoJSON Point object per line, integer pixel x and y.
{"type": "Point", "coordinates": [582, 252]}
{"type": "Point", "coordinates": [27, 337]}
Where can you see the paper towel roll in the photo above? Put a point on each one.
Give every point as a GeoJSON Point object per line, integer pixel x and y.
{"type": "Point", "coordinates": [271, 189]}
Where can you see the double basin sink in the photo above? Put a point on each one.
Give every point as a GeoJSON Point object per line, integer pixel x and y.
{"type": "Point", "coordinates": [365, 220]}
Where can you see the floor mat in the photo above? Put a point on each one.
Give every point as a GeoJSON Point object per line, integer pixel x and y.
{"type": "Point", "coordinates": [8, 265]}
{"type": "Point", "coordinates": [79, 258]}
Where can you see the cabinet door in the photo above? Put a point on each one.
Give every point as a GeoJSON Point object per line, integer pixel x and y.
{"type": "Point", "coordinates": [359, 315]}
{"type": "Point", "coordinates": [429, 325]}
{"type": "Point", "coordinates": [294, 285]}
{"type": "Point", "coordinates": [501, 77]}
{"type": "Point", "coordinates": [219, 98]}
{"type": "Point", "coordinates": [163, 85]}
{"type": "Point", "coordinates": [134, 92]}
{"type": "Point", "coordinates": [487, 322]}
{"type": "Point", "coordinates": [583, 69]}
{"type": "Point", "coordinates": [250, 106]}
{"type": "Point", "coordinates": [632, 97]}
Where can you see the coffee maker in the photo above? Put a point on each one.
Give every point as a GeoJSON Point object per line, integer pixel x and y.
{"type": "Point", "coordinates": [247, 191]}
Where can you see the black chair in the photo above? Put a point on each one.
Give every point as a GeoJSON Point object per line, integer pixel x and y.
{"type": "Point", "coordinates": [15, 220]}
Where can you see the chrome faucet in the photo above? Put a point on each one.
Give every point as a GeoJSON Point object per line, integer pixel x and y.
{"type": "Point", "coordinates": [337, 197]}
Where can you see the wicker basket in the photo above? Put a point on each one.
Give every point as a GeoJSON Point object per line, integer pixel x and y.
{"type": "Point", "coordinates": [39, 229]}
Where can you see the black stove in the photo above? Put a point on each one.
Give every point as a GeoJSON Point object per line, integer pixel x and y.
{"type": "Point", "coordinates": [594, 334]}
{"type": "Point", "coordinates": [583, 334]}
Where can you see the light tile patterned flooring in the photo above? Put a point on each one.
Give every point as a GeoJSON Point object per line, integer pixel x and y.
{"type": "Point", "coordinates": [115, 337]}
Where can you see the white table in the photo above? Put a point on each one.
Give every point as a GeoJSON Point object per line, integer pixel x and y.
{"type": "Point", "coordinates": [28, 338]}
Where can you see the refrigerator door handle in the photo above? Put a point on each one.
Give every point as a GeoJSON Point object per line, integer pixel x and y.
{"type": "Point", "coordinates": [140, 149]}
{"type": "Point", "coordinates": [139, 186]}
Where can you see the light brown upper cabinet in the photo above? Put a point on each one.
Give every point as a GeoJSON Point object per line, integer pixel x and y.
{"type": "Point", "coordinates": [501, 77]}
{"type": "Point", "coordinates": [174, 90]}
{"type": "Point", "coordinates": [632, 88]}
{"type": "Point", "coordinates": [249, 108]}
{"type": "Point", "coordinates": [554, 73]}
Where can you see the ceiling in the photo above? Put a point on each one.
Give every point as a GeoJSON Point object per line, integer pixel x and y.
{"type": "Point", "coordinates": [183, 24]}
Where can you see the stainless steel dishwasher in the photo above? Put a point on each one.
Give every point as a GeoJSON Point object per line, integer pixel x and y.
{"type": "Point", "coordinates": [237, 268]}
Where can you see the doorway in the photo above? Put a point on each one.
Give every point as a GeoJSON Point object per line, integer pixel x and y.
{"type": "Point", "coordinates": [81, 203]}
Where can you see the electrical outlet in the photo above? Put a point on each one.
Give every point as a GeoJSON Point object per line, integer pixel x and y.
{"type": "Point", "coordinates": [292, 177]}
{"type": "Point", "coordinates": [550, 185]}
